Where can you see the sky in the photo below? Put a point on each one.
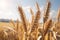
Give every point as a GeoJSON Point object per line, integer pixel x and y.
{"type": "Point", "coordinates": [8, 8]}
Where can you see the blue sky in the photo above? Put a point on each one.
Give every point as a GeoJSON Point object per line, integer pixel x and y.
{"type": "Point", "coordinates": [54, 3]}
{"type": "Point", "coordinates": [8, 8]}
{"type": "Point", "coordinates": [31, 3]}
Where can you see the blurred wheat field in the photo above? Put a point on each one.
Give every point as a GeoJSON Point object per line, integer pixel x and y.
{"type": "Point", "coordinates": [24, 30]}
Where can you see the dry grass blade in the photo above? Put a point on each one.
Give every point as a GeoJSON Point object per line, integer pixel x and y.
{"type": "Point", "coordinates": [46, 12]}
{"type": "Point", "coordinates": [23, 18]}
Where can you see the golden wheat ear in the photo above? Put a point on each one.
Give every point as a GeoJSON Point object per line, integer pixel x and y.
{"type": "Point", "coordinates": [23, 18]}
{"type": "Point", "coordinates": [35, 25]}
{"type": "Point", "coordinates": [32, 14]}
{"type": "Point", "coordinates": [46, 11]}
{"type": "Point", "coordinates": [36, 20]}
{"type": "Point", "coordinates": [46, 14]}
{"type": "Point", "coordinates": [37, 6]}
{"type": "Point", "coordinates": [47, 26]}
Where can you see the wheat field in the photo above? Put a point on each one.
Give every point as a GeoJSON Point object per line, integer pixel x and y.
{"type": "Point", "coordinates": [48, 30]}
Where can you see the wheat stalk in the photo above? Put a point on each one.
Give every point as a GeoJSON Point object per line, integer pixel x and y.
{"type": "Point", "coordinates": [23, 18]}
{"type": "Point", "coordinates": [46, 12]}
{"type": "Point", "coordinates": [17, 28]}
{"type": "Point", "coordinates": [17, 25]}
{"type": "Point", "coordinates": [35, 24]}
{"type": "Point", "coordinates": [36, 21]}
{"type": "Point", "coordinates": [50, 36]}
{"type": "Point", "coordinates": [37, 17]}
{"type": "Point", "coordinates": [47, 26]}
{"type": "Point", "coordinates": [32, 13]}
{"type": "Point", "coordinates": [23, 21]}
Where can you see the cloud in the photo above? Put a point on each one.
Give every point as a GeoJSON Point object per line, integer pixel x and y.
{"type": "Point", "coordinates": [8, 9]}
